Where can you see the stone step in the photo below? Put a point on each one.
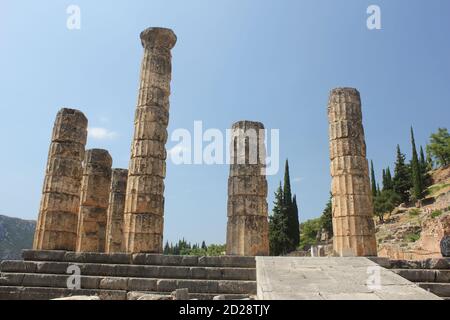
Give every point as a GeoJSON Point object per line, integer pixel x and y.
{"type": "Point", "coordinates": [433, 263]}
{"type": "Point", "coordinates": [130, 284]}
{"type": "Point", "coordinates": [424, 275]}
{"type": "Point", "coordinates": [36, 293]}
{"type": "Point", "coordinates": [439, 289]}
{"type": "Point", "coordinates": [139, 259]}
{"type": "Point", "coordinates": [121, 270]}
{"type": "Point", "coordinates": [132, 295]}
{"type": "Point", "coordinates": [45, 293]}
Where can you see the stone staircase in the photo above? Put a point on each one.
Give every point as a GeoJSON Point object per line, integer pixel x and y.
{"type": "Point", "coordinates": [45, 275]}
{"type": "Point", "coordinates": [431, 274]}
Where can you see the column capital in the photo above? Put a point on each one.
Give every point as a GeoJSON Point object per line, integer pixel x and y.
{"type": "Point", "coordinates": [158, 37]}
{"type": "Point", "coordinates": [246, 124]}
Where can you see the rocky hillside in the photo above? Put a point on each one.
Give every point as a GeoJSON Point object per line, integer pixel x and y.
{"type": "Point", "coordinates": [15, 235]}
{"type": "Point", "coordinates": [414, 232]}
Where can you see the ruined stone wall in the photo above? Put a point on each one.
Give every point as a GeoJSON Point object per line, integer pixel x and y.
{"type": "Point", "coordinates": [114, 225]}
{"type": "Point", "coordinates": [353, 226]}
{"type": "Point", "coordinates": [144, 204]}
{"type": "Point", "coordinates": [247, 228]}
{"type": "Point", "coordinates": [94, 199]}
{"type": "Point", "coordinates": [56, 228]}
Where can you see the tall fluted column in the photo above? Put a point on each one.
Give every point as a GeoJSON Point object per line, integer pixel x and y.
{"type": "Point", "coordinates": [353, 225]}
{"type": "Point", "coordinates": [56, 228]}
{"type": "Point", "coordinates": [144, 204]}
{"type": "Point", "coordinates": [94, 201]}
{"type": "Point", "coordinates": [114, 224]}
{"type": "Point", "coordinates": [248, 227]}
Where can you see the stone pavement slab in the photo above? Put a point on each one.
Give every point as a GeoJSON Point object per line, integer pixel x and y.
{"type": "Point", "coordinates": [332, 278]}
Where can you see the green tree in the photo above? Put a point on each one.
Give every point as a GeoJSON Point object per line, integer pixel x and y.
{"type": "Point", "coordinates": [326, 219]}
{"type": "Point", "coordinates": [422, 160]}
{"type": "Point", "coordinates": [204, 247]}
{"type": "Point", "coordinates": [439, 147]}
{"type": "Point", "coordinates": [296, 229]}
{"type": "Point", "coordinates": [373, 180]}
{"type": "Point", "coordinates": [387, 183]}
{"type": "Point", "coordinates": [292, 213]}
{"type": "Point", "coordinates": [385, 202]}
{"type": "Point", "coordinates": [166, 248]}
{"type": "Point", "coordinates": [416, 172]}
{"type": "Point", "coordinates": [430, 162]}
{"type": "Point", "coordinates": [402, 177]}
{"type": "Point", "coordinates": [279, 240]}
{"type": "Point", "coordinates": [424, 168]}
{"type": "Point", "coordinates": [216, 250]}
{"type": "Point", "coordinates": [309, 230]}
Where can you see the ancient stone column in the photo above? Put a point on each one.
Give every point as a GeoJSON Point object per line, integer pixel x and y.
{"type": "Point", "coordinates": [56, 228]}
{"type": "Point", "coordinates": [114, 224]}
{"type": "Point", "coordinates": [94, 198]}
{"type": "Point", "coordinates": [248, 227]}
{"type": "Point", "coordinates": [353, 226]}
{"type": "Point", "coordinates": [144, 204]}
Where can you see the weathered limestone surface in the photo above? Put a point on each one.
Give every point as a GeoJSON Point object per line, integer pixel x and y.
{"type": "Point", "coordinates": [248, 228]}
{"type": "Point", "coordinates": [94, 196]}
{"type": "Point", "coordinates": [56, 227]}
{"type": "Point", "coordinates": [333, 278]}
{"type": "Point", "coordinates": [114, 225]}
{"type": "Point", "coordinates": [144, 204]}
{"type": "Point", "coordinates": [353, 226]}
{"type": "Point", "coordinates": [43, 275]}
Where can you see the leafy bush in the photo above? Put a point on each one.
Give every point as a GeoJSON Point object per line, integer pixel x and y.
{"type": "Point", "coordinates": [385, 202]}
{"type": "Point", "coordinates": [439, 146]}
{"type": "Point", "coordinates": [182, 247]}
{"type": "Point", "coordinates": [414, 212]}
{"type": "Point", "coordinates": [412, 237]}
{"type": "Point", "coordinates": [308, 232]}
{"type": "Point", "coordinates": [437, 187]}
{"type": "Point", "coordinates": [436, 213]}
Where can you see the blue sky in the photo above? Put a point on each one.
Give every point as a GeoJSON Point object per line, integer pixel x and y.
{"type": "Point", "coordinates": [269, 61]}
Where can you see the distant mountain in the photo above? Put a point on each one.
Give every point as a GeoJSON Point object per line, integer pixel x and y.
{"type": "Point", "coordinates": [15, 235]}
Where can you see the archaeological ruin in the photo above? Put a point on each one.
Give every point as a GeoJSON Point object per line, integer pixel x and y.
{"type": "Point", "coordinates": [353, 226]}
{"type": "Point", "coordinates": [116, 207]}
{"type": "Point", "coordinates": [94, 197]}
{"type": "Point", "coordinates": [94, 209]}
{"type": "Point", "coordinates": [144, 202]}
{"type": "Point", "coordinates": [56, 227]}
{"type": "Point", "coordinates": [105, 226]}
{"type": "Point", "coordinates": [248, 227]}
{"type": "Point", "coordinates": [123, 211]}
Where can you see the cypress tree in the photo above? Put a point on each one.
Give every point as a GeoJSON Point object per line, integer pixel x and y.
{"type": "Point", "coordinates": [374, 182]}
{"type": "Point", "coordinates": [416, 171]}
{"type": "Point", "coordinates": [287, 194]}
{"type": "Point", "coordinates": [166, 248]}
{"type": "Point", "coordinates": [402, 178]}
{"type": "Point", "coordinates": [279, 241]}
{"type": "Point", "coordinates": [430, 163]}
{"type": "Point", "coordinates": [383, 177]}
{"type": "Point", "coordinates": [296, 228]}
{"type": "Point", "coordinates": [424, 168]}
{"type": "Point", "coordinates": [389, 183]}
{"type": "Point", "coordinates": [292, 216]}
{"type": "Point", "coordinates": [422, 160]}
